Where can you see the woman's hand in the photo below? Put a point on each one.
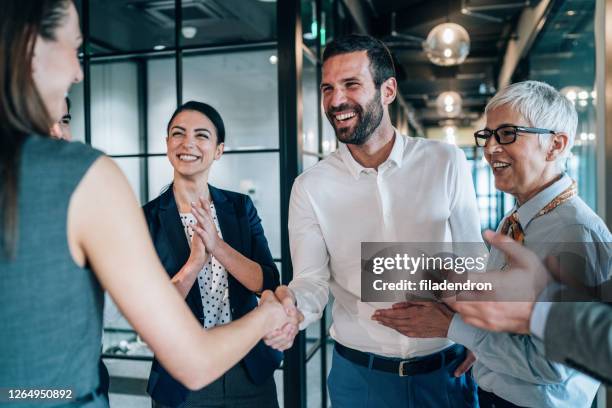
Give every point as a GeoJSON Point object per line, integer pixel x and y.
{"type": "Point", "coordinates": [276, 317]}
{"type": "Point", "coordinates": [205, 228]}
{"type": "Point", "coordinates": [198, 256]}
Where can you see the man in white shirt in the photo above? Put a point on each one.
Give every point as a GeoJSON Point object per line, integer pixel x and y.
{"type": "Point", "coordinates": [378, 186]}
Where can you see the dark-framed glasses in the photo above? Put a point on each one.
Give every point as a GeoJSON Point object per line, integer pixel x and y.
{"type": "Point", "coordinates": [506, 134]}
{"type": "Point", "coordinates": [65, 120]}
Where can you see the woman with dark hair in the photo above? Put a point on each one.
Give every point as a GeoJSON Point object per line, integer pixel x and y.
{"type": "Point", "coordinates": [219, 271]}
{"type": "Point", "coordinates": [71, 227]}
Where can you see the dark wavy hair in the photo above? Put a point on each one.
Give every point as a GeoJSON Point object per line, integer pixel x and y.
{"type": "Point", "coordinates": [206, 110]}
{"type": "Point", "coordinates": [381, 62]}
{"type": "Point", "coordinates": [22, 110]}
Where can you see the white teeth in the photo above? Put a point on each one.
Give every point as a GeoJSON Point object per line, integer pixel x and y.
{"type": "Point", "coordinates": [498, 165]}
{"type": "Point", "coordinates": [187, 157]}
{"type": "Point", "coordinates": [345, 116]}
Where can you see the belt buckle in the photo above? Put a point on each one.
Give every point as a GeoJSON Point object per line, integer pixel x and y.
{"type": "Point", "coordinates": [401, 368]}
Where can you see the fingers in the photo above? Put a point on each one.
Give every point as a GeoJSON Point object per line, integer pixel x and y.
{"type": "Point", "coordinates": [399, 312]}
{"type": "Point", "coordinates": [466, 364]}
{"type": "Point", "coordinates": [268, 296]}
{"type": "Point", "coordinates": [515, 252]}
{"type": "Point", "coordinates": [203, 218]}
{"type": "Point", "coordinates": [282, 339]}
{"type": "Point", "coordinates": [283, 292]}
{"type": "Point", "coordinates": [287, 299]}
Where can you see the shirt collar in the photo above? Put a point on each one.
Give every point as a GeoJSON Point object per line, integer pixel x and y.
{"type": "Point", "coordinates": [527, 211]}
{"type": "Point", "coordinates": [396, 156]}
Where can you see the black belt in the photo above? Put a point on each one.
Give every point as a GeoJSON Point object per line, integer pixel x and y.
{"type": "Point", "coordinates": [413, 366]}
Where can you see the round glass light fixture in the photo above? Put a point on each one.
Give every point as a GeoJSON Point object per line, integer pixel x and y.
{"type": "Point", "coordinates": [449, 104]}
{"type": "Point", "coordinates": [573, 92]}
{"type": "Point", "coordinates": [189, 32]}
{"type": "Point", "coordinates": [447, 44]}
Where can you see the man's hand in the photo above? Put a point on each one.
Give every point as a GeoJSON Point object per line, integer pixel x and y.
{"type": "Point", "coordinates": [276, 317]}
{"type": "Point", "coordinates": [525, 276]}
{"type": "Point", "coordinates": [416, 319]}
{"type": "Point", "coordinates": [423, 320]}
{"type": "Point", "coordinates": [282, 339]}
{"type": "Point", "coordinates": [465, 365]}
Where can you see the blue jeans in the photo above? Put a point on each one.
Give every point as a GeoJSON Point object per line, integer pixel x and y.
{"type": "Point", "coordinates": [355, 386]}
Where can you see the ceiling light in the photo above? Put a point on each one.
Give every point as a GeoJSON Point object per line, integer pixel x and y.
{"type": "Point", "coordinates": [582, 95]}
{"type": "Point", "coordinates": [273, 59]}
{"type": "Point", "coordinates": [447, 44]}
{"type": "Point", "coordinates": [570, 13]}
{"type": "Point", "coordinates": [159, 47]}
{"type": "Point", "coordinates": [572, 92]}
{"type": "Point", "coordinates": [449, 104]}
{"type": "Point", "coordinates": [189, 32]}
{"type": "Point", "coordinates": [448, 36]}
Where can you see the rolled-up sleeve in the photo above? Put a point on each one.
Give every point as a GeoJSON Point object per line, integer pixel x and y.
{"type": "Point", "coordinates": [309, 257]}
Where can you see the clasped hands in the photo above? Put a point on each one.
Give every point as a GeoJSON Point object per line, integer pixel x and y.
{"type": "Point", "coordinates": [281, 338]}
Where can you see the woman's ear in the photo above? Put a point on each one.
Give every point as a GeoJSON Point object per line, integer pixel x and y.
{"type": "Point", "coordinates": [557, 145]}
{"type": "Point", "coordinates": [219, 150]}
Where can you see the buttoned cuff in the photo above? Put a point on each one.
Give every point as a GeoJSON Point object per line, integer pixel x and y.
{"type": "Point", "coordinates": [301, 302]}
{"type": "Point", "coordinates": [462, 333]}
{"type": "Point", "coordinates": [539, 315]}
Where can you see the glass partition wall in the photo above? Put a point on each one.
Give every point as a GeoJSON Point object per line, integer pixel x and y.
{"type": "Point", "coordinates": [141, 59]}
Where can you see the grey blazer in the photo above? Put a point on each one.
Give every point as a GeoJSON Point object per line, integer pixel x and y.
{"type": "Point", "coordinates": [579, 334]}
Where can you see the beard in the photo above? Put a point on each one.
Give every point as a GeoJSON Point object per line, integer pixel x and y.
{"type": "Point", "coordinates": [368, 120]}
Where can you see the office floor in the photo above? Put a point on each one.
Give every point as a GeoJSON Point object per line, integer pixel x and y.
{"type": "Point", "coordinates": [129, 378]}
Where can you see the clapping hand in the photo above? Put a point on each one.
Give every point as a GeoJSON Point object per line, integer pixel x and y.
{"type": "Point", "coordinates": [205, 227]}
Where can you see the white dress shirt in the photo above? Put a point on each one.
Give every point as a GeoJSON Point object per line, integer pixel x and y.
{"type": "Point", "coordinates": [423, 192]}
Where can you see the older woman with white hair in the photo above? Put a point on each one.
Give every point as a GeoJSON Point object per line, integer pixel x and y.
{"type": "Point", "coordinates": [530, 129]}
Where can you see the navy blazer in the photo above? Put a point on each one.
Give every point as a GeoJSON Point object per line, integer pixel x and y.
{"type": "Point", "coordinates": [242, 230]}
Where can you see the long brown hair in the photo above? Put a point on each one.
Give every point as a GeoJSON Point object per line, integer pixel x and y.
{"type": "Point", "coordinates": [22, 110]}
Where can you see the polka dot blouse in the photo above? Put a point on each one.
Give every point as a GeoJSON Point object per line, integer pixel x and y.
{"type": "Point", "coordinates": [212, 280]}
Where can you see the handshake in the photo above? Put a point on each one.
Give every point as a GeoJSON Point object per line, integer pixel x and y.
{"type": "Point", "coordinates": [283, 316]}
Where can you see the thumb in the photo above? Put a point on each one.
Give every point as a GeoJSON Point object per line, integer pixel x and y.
{"type": "Point", "coordinates": [267, 296]}
{"type": "Point", "coordinates": [289, 306]}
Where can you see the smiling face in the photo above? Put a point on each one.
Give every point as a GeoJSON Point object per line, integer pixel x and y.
{"type": "Point", "coordinates": [192, 144]}
{"type": "Point", "coordinates": [351, 100]}
{"type": "Point", "coordinates": [55, 64]}
{"type": "Point", "coordinates": [522, 168]}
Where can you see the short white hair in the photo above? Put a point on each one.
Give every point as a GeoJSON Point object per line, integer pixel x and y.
{"type": "Point", "coordinates": [543, 107]}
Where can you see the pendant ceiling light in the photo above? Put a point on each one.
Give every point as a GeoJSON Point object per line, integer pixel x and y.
{"type": "Point", "coordinates": [449, 104]}
{"type": "Point", "coordinates": [447, 44]}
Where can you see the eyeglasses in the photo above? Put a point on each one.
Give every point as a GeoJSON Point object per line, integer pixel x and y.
{"type": "Point", "coordinates": [65, 120]}
{"type": "Point", "coordinates": [506, 134]}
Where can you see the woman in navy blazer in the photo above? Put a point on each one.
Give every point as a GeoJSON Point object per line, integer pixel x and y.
{"type": "Point", "coordinates": [213, 246]}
